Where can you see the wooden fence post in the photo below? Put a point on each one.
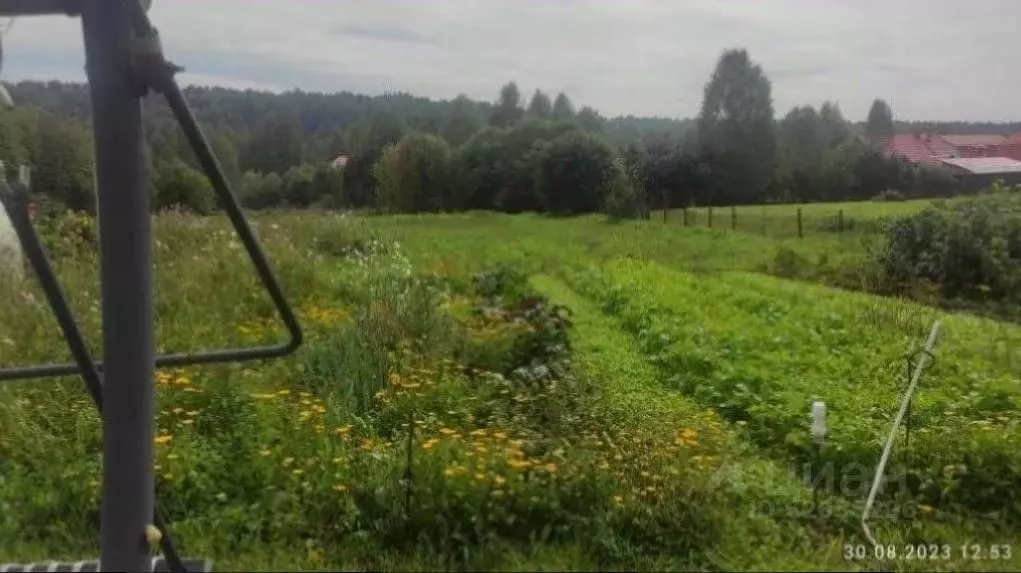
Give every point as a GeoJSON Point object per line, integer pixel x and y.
{"type": "Point", "coordinates": [710, 216]}
{"type": "Point", "coordinates": [801, 231]}
{"type": "Point", "coordinates": [684, 212]}
{"type": "Point", "coordinates": [733, 218]}
{"type": "Point", "coordinates": [840, 221]}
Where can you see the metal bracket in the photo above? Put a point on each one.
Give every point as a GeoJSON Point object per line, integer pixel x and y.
{"type": "Point", "coordinates": [10, 8]}
{"type": "Point", "coordinates": [16, 206]}
{"type": "Point", "coordinates": [127, 416]}
{"type": "Point", "coordinates": [160, 77]}
{"type": "Point", "coordinates": [16, 203]}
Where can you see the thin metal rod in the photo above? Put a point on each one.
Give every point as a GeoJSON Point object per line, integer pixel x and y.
{"type": "Point", "coordinates": [9, 8]}
{"type": "Point", "coordinates": [923, 361]}
{"type": "Point", "coordinates": [204, 152]}
{"type": "Point", "coordinates": [31, 246]}
{"type": "Point", "coordinates": [126, 273]}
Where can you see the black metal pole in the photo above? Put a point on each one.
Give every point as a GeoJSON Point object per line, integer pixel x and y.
{"type": "Point", "coordinates": [126, 273]}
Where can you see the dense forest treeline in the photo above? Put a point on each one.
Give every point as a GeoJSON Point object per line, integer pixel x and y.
{"type": "Point", "coordinates": [516, 153]}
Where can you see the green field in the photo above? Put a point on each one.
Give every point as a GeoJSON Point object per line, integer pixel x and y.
{"type": "Point", "coordinates": [658, 421]}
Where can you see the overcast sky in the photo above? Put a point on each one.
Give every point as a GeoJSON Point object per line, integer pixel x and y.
{"type": "Point", "coordinates": [932, 59]}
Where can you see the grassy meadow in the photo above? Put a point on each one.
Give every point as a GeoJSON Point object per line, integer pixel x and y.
{"type": "Point", "coordinates": [491, 392]}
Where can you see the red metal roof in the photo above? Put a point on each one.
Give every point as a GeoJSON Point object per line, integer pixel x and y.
{"type": "Point", "coordinates": [920, 148]}
{"type": "Point", "coordinates": [983, 140]}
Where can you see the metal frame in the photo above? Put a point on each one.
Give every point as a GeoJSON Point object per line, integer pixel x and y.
{"type": "Point", "coordinates": [124, 61]}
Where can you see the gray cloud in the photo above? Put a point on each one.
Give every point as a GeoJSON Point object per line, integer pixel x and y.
{"type": "Point", "coordinates": [933, 60]}
{"type": "Point", "coordinates": [382, 34]}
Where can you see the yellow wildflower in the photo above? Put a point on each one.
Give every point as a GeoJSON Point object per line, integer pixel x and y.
{"type": "Point", "coordinates": [518, 465]}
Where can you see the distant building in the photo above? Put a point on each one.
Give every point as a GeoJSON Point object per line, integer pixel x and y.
{"type": "Point", "coordinates": [339, 162]}
{"type": "Point", "coordinates": [918, 147]}
{"type": "Point", "coordinates": [932, 148]}
{"type": "Point", "coordinates": [1011, 147]}
{"type": "Point", "coordinates": [983, 145]}
{"type": "Point", "coordinates": [975, 160]}
{"type": "Point", "coordinates": [975, 173]}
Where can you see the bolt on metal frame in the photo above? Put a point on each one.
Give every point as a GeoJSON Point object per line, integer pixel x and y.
{"type": "Point", "coordinates": [124, 60]}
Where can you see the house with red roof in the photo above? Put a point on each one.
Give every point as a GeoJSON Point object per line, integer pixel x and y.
{"type": "Point", "coordinates": [932, 148]}
{"type": "Point", "coordinates": [1011, 147]}
{"type": "Point", "coordinates": [976, 160]}
{"type": "Point", "coordinates": [918, 147]}
{"type": "Point", "coordinates": [983, 145]}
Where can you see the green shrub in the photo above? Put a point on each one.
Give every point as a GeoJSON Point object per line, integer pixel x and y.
{"type": "Point", "coordinates": [576, 174]}
{"type": "Point", "coordinates": [969, 249]}
{"type": "Point", "coordinates": [412, 176]}
{"type": "Point", "coordinates": [788, 263]}
{"type": "Point", "coordinates": [622, 199]}
{"type": "Point", "coordinates": [180, 186]}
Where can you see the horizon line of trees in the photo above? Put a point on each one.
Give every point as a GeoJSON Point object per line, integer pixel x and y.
{"type": "Point", "coordinates": [408, 154]}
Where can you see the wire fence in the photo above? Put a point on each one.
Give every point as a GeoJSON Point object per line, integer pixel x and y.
{"type": "Point", "coordinates": [770, 221]}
